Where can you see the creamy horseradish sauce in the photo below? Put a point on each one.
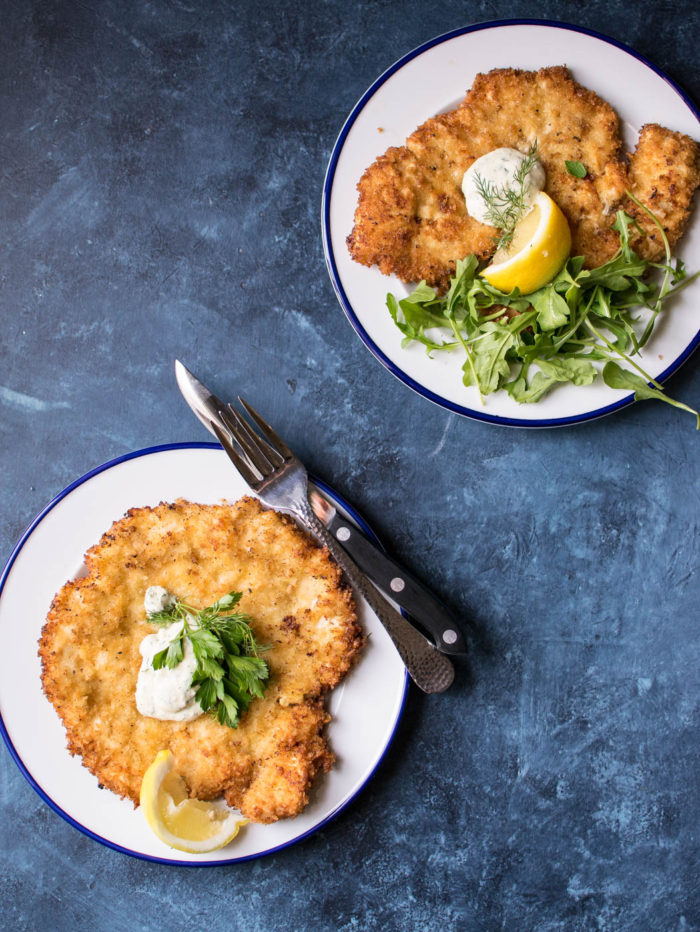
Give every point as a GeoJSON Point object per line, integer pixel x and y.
{"type": "Point", "coordinates": [167, 693]}
{"type": "Point", "coordinates": [157, 599]}
{"type": "Point", "coordinates": [498, 170]}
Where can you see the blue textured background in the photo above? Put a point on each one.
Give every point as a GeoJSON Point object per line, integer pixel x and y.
{"type": "Point", "coordinates": [161, 166]}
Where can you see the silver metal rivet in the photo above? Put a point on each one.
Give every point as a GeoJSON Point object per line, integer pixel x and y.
{"type": "Point", "coordinates": [343, 533]}
{"type": "Point", "coordinates": [397, 584]}
{"type": "Point", "coordinates": [449, 636]}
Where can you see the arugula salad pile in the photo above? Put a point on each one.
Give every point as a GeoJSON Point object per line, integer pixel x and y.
{"type": "Point", "coordinates": [229, 672]}
{"type": "Point", "coordinates": [526, 345]}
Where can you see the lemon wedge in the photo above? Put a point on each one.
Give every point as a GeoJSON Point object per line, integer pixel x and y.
{"type": "Point", "coordinates": [539, 248]}
{"type": "Point", "coordinates": [183, 823]}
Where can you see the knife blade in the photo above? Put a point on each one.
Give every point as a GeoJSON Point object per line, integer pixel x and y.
{"type": "Point", "coordinates": [204, 404]}
{"type": "Point", "coordinates": [425, 611]}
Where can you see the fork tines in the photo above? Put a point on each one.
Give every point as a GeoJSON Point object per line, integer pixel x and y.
{"type": "Point", "coordinates": [262, 454]}
{"type": "Point", "coordinates": [275, 442]}
{"type": "Point", "coordinates": [238, 461]}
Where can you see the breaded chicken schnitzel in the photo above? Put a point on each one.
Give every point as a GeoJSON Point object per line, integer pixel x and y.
{"type": "Point", "coordinates": [411, 218]}
{"type": "Point", "coordinates": [299, 607]}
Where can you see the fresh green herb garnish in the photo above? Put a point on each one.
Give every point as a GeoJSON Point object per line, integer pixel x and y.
{"type": "Point", "coordinates": [229, 673]}
{"type": "Point", "coordinates": [505, 205]}
{"type": "Point", "coordinates": [616, 377]}
{"type": "Point", "coordinates": [528, 344]}
{"type": "Point", "coordinates": [577, 169]}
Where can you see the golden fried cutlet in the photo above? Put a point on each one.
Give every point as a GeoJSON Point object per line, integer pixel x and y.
{"type": "Point", "coordinates": [664, 172]}
{"type": "Point", "coordinates": [299, 606]}
{"type": "Point", "coordinates": [411, 219]}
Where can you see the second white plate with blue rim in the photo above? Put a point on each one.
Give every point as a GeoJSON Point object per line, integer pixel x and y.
{"type": "Point", "coordinates": [435, 78]}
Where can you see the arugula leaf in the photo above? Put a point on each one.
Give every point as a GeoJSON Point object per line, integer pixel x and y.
{"type": "Point", "coordinates": [421, 294]}
{"type": "Point", "coordinates": [577, 169]}
{"type": "Point", "coordinates": [617, 377]}
{"type": "Point", "coordinates": [489, 356]}
{"type": "Point", "coordinates": [620, 329]}
{"type": "Point", "coordinates": [413, 319]}
{"type": "Point", "coordinates": [520, 391]}
{"type": "Point", "coordinates": [679, 272]}
{"type": "Point", "coordinates": [571, 270]}
{"type": "Point", "coordinates": [619, 273]}
{"type": "Point", "coordinates": [569, 369]}
{"type": "Point", "coordinates": [583, 316]}
{"type": "Point", "coordinates": [460, 283]}
{"type": "Point", "coordinates": [229, 673]}
{"type": "Point", "coordinates": [552, 309]}
{"type": "Point", "coordinates": [623, 222]}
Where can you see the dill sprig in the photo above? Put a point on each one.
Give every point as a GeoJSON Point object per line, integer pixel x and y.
{"type": "Point", "coordinates": [505, 204]}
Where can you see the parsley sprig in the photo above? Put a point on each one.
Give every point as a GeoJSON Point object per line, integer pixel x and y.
{"type": "Point", "coordinates": [507, 204]}
{"type": "Point", "coordinates": [529, 344]}
{"type": "Point", "coordinates": [229, 672]}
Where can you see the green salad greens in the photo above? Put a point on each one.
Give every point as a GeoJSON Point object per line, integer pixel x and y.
{"type": "Point", "coordinates": [527, 345]}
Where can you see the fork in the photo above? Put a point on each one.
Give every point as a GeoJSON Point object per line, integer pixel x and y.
{"type": "Point", "coordinates": [280, 480]}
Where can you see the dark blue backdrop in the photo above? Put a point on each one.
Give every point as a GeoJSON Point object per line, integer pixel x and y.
{"type": "Point", "coordinates": [161, 166]}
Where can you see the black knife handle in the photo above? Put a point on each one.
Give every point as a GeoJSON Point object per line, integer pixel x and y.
{"type": "Point", "coordinates": [419, 603]}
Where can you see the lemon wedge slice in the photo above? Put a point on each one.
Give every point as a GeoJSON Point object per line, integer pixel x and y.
{"type": "Point", "coordinates": [539, 248]}
{"type": "Point", "coordinates": [183, 823]}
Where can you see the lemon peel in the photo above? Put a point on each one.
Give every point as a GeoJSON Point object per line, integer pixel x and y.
{"type": "Point", "coordinates": [540, 247]}
{"type": "Point", "coordinates": [185, 824]}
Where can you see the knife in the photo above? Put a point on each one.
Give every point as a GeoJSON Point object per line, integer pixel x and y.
{"type": "Point", "coordinates": [417, 600]}
{"type": "Point", "coordinates": [423, 609]}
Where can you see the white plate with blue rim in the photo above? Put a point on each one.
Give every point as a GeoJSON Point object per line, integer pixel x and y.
{"type": "Point", "coordinates": [435, 77]}
{"type": "Point", "coordinates": [365, 708]}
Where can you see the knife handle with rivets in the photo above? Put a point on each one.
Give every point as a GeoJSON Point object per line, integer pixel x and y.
{"type": "Point", "coordinates": [419, 603]}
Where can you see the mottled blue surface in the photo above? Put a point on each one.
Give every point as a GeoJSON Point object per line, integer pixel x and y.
{"type": "Point", "coordinates": [161, 168]}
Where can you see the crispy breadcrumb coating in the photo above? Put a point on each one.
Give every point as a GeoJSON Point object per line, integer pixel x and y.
{"type": "Point", "coordinates": [411, 218]}
{"type": "Point", "coordinates": [299, 606]}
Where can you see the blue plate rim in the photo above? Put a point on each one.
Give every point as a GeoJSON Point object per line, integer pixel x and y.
{"type": "Point", "coordinates": [333, 269]}
{"type": "Point", "coordinates": [185, 445]}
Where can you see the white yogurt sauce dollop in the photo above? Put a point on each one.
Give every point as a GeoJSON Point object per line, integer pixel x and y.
{"type": "Point", "coordinates": [157, 599]}
{"type": "Point", "coordinates": [166, 694]}
{"type": "Point", "coordinates": [498, 168]}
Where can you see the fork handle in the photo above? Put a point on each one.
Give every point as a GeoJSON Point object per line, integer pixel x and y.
{"type": "Point", "coordinates": [430, 670]}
